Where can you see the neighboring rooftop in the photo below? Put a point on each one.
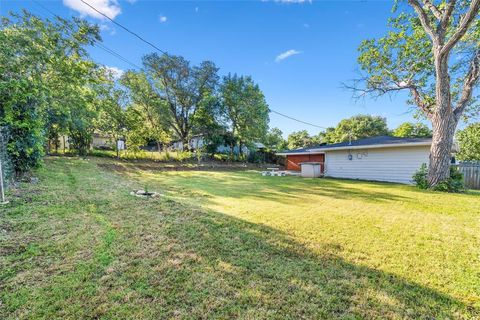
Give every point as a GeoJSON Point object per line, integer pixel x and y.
{"type": "Point", "coordinates": [380, 141]}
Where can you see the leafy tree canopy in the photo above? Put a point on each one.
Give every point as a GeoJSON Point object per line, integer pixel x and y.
{"type": "Point", "coordinates": [45, 79]}
{"type": "Point", "coordinates": [356, 127]}
{"type": "Point", "coordinates": [182, 87]}
{"type": "Point", "coordinates": [299, 139]}
{"type": "Point", "coordinates": [274, 139]}
{"type": "Point", "coordinates": [245, 108]}
{"type": "Point", "coordinates": [412, 130]}
{"type": "Point", "coordinates": [431, 50]}
{"type": "Point", "coordinates": [469, 143]}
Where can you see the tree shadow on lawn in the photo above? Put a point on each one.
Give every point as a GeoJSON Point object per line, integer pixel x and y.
{"type": "Point", "coordinates": [280, 189]}
{"type": "Point", "coordinates": [224, 267]}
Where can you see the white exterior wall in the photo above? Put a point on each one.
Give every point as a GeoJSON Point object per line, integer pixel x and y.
{"type": "Point", "coordinates": [393, 164]}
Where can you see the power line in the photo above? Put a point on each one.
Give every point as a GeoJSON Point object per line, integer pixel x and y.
{"type": "Point", "coordinates": [125, 28]}
{"type": "Point", "coordinates": [96, 43]}
{"type": "Point", "coordinates": [115, 54]}
{"type": "Point", "coordinates": [119, 56]}
{"type": "Point", "coordinates": [294, 119]}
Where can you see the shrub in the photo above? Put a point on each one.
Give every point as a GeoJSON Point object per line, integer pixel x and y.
{"type": "Point", "coordinates": [221, 157]}
{"type": "Point", "coordinates": [420, 177]}
{"type": "Point", "coordinates": [453, 184]}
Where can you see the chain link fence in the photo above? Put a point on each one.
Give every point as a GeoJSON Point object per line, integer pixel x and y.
{"type": "Point", "coordinates": [7, 167]}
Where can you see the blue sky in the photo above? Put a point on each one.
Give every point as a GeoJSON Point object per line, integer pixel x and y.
{"type": "Point", "coordinates": [318, 41]}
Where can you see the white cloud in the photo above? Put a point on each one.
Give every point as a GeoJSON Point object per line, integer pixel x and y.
{"type": "Point", "coordinates": [115, 72]}
{"type": "Point", "coordinates": [107, 28]}
{"type": "Point", "coordinates": [286, 54]}
{"type": "Point", "coordinates": [110, 8]}
{"type": "Point", "coordinates": [163, 19]}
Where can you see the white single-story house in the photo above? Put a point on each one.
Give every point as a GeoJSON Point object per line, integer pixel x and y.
{"type": "Point", "coordinates": [382, 158]}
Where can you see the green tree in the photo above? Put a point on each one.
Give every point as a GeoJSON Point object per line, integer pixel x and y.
{"type": "Point", "coordinates": [433, 52]}
{"type": "Point", "coordinates": [245, 108]}
{"type": "Point", "coordinates": [208, 123]}
{"type": "Point", "coordinates": [39, 60]}
{"type": "Point", "coordinates": [299, 139]}
{"type": "Point", "coordinates": [182, 87]}
{"type": "Point", "coordinates": [150, 108]}
{"type": "Point", "coordinates": [112, 118]}
{"type": "Point", "coordinates": [356, 127]}
{"type": "Point", "coordinates": [469, 143]}
{"type": "Point", "coordinates": [274, 140]}
{"type": "Point", "coordinates": [412, 130]}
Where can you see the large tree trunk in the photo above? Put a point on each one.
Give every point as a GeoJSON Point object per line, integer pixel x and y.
{"type": "Point", "coordinates": [185, 144]}
{"type": "Point", "coordinates": [440, 151]}
{"type": "Point", "coordinates": [444, 123]}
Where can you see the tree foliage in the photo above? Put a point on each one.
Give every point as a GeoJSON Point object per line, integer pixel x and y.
{"type": "Point", "coordinates": [274, 140]}
{"type": "Point", "coordinates": [149, 114]}
{"type": "Point", "coordinates": [469, 143]}
{"type": "Point", "coordinates": [432, 51]}
{"type": "Point", "coordinates": [245, 108]}
{"type": "Point", "coordinates": [356, 127]}
{"type": "Point", "coordinates": [299, 139]}
{"type": "Point", "coordinates": [412, 130]}
{"type": "Point", "coordinates": [182, 87]}
{"type": "Point", "coordinates": [42, 65]}
{"type": "Point", "coordinates": [50, 88]}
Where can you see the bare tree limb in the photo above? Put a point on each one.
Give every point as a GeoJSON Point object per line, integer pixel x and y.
{"type": "Point", "coordinates": [381, 88]}
{"type": "Point", "coordinates": [419, 101]}
{"type": "Point", "coordinates": [430, 6]}
{"type": "Point", "coordinates": [462, 28]}
{"type": "Point", "coordinates": [471, 79]}
{"type": "Point", "coordinates": [424, 20]}
{"type": "Point", "coordinates": [447, 14]}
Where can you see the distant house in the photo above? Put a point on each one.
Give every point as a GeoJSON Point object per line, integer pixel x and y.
{"type": "Point", "coordinates": [380, 158]}
{"type": "Point", "coordinates": [99, 141]}
{"type": "Point", "coordinates": [197, 142]}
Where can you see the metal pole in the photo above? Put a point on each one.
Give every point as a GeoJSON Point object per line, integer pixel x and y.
{"type": "Point", "coordinates": [1, 184]}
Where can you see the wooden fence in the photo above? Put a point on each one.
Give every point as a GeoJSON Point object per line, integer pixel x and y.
{"type": "Point", "coordinates": [471, 174]}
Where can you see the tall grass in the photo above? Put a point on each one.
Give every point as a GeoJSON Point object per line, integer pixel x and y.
{"type": "Point", "coordinates": [164, 156]}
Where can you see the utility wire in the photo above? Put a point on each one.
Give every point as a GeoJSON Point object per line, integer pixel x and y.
{"type": "Point", "coordinates": [119, 56]}
{"type": "Point", "coordinates": [115, 54]}
{"type": "Point", "coordinates": [125, 28]}
{"type": "Point", "coordinates": [294, 119]}
{"type": "Point", "coordinates": [96, 43]}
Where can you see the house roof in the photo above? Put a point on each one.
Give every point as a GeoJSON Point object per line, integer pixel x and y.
{"type": "Point", "coordinates": [374, 142]}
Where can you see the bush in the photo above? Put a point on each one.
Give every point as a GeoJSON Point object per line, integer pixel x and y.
{"type": "Point", "coordinates": [453, 184]}
{"type": "Point", "coordinates": [221, 157]}
{"type": "Point", "coordinates": [420, 177]}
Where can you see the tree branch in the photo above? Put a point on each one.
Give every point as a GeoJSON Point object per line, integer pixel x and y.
{"type": "Point", "coordinates": [463, 26]}
{"type": "Point", "coordinates": [417, 97]}
{"type": "Point", "coordinates": [430, 6]}
{"type": "Point", "coordinates": [424, 20]}
{"type": "Point", "coordinates": [469, 83]}
{"type": "Point", "coordinates": [447, 13]}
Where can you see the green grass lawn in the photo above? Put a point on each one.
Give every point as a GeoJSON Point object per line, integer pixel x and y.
{"type": "Point", "coordinates": [233, 244]}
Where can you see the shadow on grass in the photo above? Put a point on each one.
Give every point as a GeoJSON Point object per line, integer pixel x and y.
{"type": "Point", "coordinates": [167, 259]}
{"type": "Point", "coordinates": [280, 189]}
{"type": "Point", "coordinates": [247, 270]}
